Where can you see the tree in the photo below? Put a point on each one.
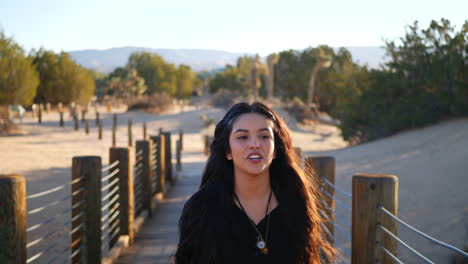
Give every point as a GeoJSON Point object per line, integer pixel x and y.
{"type": "Point", "coordinates": [18, 78]}
{"type": "Point", "coordinates": [62, 79]}
{"type": "Point", "coordinates": [272, 59]}
{"type": "Point", "coordinates": [46, 64]}
{"type": "Point", "coordinates": [185, 82]}
{"type": "Point", "coordinates": [229, 79]}
{"type": "Point", "coordinates": [323, 60]}
{"type": "Point", "coordinates": [125, 83]}
{"type": "Point", "coordinates": [159, 76]}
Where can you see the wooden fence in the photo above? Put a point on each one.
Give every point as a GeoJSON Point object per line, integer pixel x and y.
{"type": "Point", "coordinates": [108, 204]}
{"type": "Point", "coordinates": [374, 215]}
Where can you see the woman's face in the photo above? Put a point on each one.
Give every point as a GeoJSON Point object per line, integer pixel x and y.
{"type": "Point", "coordinates": [252, 144]}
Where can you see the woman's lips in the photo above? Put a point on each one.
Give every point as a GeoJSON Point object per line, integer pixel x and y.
{"type": "Point", "coordinates": [254, 157]}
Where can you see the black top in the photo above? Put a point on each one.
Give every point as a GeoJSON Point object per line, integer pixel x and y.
{"type": "Point", "coordinates": [209, 226]}
{"type": "Point", "coordinates": [244, 238]}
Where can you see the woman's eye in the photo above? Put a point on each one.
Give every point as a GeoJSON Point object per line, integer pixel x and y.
{"type": "Point", "coordinates": [265, 136]}
{"type": "Point", "coordinates": [242, 137]}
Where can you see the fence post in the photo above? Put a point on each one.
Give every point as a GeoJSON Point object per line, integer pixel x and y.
{"type": "Point", "coordinates": [100, 130]}
{"type": "Point", "coordinates": [130, 135]}
{"type": "Point", "coordinates": [178, 155]}
{"type": "Point", "coordinates": [61, 118]}
{"type": "Point", "coordinates": [181, 139]}
{"type": "Point", "coordinates": [114, 130]}
{"type": "Point", "coordinates": [12, 219]}
{"type": "Point", "coordinates": [86, 126]}
{"type": "Point", "coordinates": [97, 118]}
{"type": "Point", "coordinates": [145, 146]}
{"type": "Point", "coordinates": [144, 131]}
{"type": "Point", "coordinates": [83, 114]}
{"type": "Point", "coordinates": [39, 113]}
{"type": "Point", "coordinates": [369, 191]}
{"type": "Point", "coordinates": [88, 169]}
{"type": "Point", "coordinates": [125, 166]}
{"type": "Point", "coordinates": [168, 157]}
{"type": "Point", "coordinates": [75, 120]}
{"type": "Point", "coordinates": [114, 136]}
{"type": "Point", "coordinates": [323, 167]}
{"type": "Point", "coordinates": [160, 163]}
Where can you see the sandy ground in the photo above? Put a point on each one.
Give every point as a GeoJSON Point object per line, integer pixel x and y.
{"type": "Point", "coordinates": [430, 163]}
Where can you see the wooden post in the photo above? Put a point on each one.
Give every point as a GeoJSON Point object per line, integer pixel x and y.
{"type": "Point", "coordinates": [178, 155]}
{"type": "Point", "coordinates": [97, 118]}
{"type": "Point", "coordinates": [12, 219]}
{"type": "Point", "coordinates": [370, 191]}
{"type": "Point", "coordinates": [125, 166]}
{"type": "Point", "coordinates": [61, 119]}
{"type": "Point", "coordinates": [160, 163]}
{"type": "Point", "coordinates": [39, 115]}
{"type": "Point", "coordinates": [114, 136]}
{"type": "Point", "coordinates": [75, 120]}
{"type": "Point", "coordinates": [323, 167]}
{"type": "Point", "coordinates": [145, 136]}
{"type": "Point", "coordinates": [83, 115]}
{"type": "Point", "coordinates": [48, 108]}
{"type": "Point", "coordinates": [88, 168]}
{"type": "Point", "coordinates": [130, 135]}
{"type": "Point", "coordinates": [168, 157]}
{"type": "Point", "coordinates": [114, 130]}
{"type": "Point", "coordinates": [146, 173]}
{"type": "Point", "coordinates": [181, 139]}
{"type": "Point", "coordinates": [87, 126]}
{"type": "Point", "coordinates": [100, 130]}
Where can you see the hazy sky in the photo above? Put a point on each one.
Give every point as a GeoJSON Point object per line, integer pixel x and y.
{"type": "Point", "coordinates": [252, 26]}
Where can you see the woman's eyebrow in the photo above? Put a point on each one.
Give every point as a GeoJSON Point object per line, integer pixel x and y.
{"type": "Point", "coordinates": [241, 130]}
{"type": "Point", "coordinates": [245, 130]}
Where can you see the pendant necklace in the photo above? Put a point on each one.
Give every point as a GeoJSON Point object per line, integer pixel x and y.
{"type": "Point", "coordinates": [261, 243]}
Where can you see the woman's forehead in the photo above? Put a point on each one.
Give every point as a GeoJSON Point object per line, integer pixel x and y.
{"type": "Point", "coordinates": [252, 121]}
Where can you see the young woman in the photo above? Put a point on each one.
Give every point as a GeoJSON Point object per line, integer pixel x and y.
{"type": "Point", "coordinates": [255, 204]}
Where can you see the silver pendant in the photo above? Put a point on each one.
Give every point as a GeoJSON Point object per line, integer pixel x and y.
{"type": "Point", "coordinates": [261, 244]}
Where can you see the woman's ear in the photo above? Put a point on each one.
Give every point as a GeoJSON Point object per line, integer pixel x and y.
{"type": "Point", "coordinates": [228, 156]}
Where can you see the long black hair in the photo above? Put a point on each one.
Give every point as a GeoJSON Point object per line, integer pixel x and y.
{"type": "Point", "coordinates": [201, 224]}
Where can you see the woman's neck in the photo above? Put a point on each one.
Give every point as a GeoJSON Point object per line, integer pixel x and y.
{"type": "Point", "coordinates": [252, 187]}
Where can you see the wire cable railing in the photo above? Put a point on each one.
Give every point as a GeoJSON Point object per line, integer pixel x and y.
{"type": "Point", "coordinates": [110, 166]}
{"type": "Point", "coordinates": [347, 222]}
{"type": "Point", "coordinates": [110, 175]}
{"type": "Point", "coordinates": [327, 209]}
{"type": "Point", "coordinates": [338, 202]}
{"type": "Point", "coordinates": [337, 189]}
{"type": "Point", "coordinates": [387, 252]}
{"type": "Point", "coordinates": [36, 256]}
{"type": "Point", "coordinates": [419, 255]}
{"type": "Point", "coordinates": [438, 242]}
{"type": "Point", "coordinates": [56, 189]}
{"type": "Point", "coordinates": [110, 206]}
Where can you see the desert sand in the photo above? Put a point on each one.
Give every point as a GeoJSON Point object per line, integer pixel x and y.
{"type": "Point", "coordinates": [431, 164]}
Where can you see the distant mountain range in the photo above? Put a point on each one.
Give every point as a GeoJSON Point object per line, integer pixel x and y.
{"type": "Point", "coordinates": [105, 61]}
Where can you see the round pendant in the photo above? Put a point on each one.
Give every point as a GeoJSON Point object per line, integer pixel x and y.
{"type": "Point", "coordinates": [261, 244]}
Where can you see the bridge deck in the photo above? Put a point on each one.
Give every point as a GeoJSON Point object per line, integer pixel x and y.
{"type": "Point", "coordinates": [157, 239]}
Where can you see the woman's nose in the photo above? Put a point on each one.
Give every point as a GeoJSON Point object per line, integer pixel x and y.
{"type": "Point", "coordinates": [254, 143]}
